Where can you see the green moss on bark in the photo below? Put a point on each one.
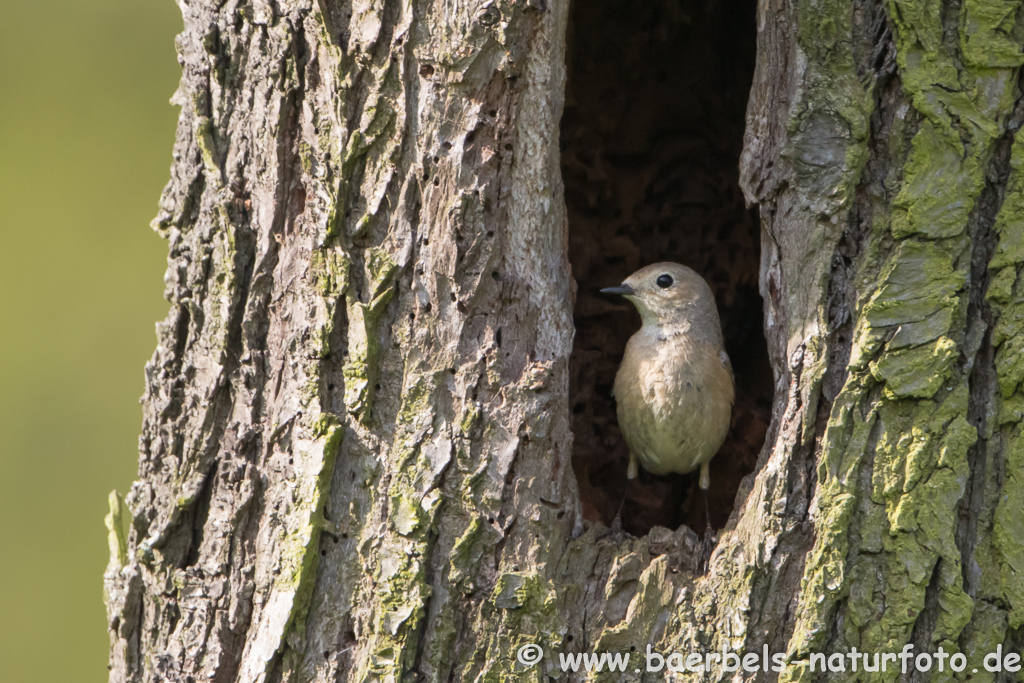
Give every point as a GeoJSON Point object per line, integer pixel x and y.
{"type": "Point", "coordinates": [875, 561]}
{"type": "Point", "coordinates": [1001, 557]}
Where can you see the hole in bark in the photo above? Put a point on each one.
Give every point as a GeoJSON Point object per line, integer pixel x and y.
{"type": "Point", "coordinates": [651, 136]}
{"type": "Point", "coordinates": [200, 512]}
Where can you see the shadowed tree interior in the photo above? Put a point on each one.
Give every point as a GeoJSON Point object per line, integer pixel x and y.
{"type": "Point", "coordinates": [651, 138]}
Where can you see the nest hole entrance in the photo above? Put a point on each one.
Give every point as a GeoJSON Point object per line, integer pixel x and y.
{"type": "Point", "coordinates": [651, 137]}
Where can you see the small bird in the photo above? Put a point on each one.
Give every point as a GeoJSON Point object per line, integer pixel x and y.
{"type": "Point", "coordinates": [674, 388]}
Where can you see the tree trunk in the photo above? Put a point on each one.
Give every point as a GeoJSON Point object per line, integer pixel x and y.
{"type": "Point", "coordinates": [356, 461]}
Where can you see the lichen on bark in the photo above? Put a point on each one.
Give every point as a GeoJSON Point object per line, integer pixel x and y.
{"type": "Point", "coordinates": [897, 466]}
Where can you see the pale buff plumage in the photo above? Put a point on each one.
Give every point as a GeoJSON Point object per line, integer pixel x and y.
{"type": "Point", "coordinates": [674, 388]}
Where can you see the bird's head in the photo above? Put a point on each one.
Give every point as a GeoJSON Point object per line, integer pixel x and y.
{"type": "Point", "coordinates": [667, 294]}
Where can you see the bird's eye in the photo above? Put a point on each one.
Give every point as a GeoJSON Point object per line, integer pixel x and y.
{"type": "Point", "coordinates": [664, 281]}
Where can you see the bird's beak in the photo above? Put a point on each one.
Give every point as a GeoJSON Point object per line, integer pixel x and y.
{"type": "Point", "coordinates": [623, 289]}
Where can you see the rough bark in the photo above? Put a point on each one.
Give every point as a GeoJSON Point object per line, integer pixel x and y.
{"type": "Point", "coordinates": [355, 458]}
{"type": "Point", "coordinates": [885, 166]}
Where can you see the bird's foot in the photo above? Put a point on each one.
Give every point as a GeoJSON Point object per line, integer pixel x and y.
{"type": "Point", "coordinates": [707, 546]}
{"type": "Point", "coordinates": [615, 531]}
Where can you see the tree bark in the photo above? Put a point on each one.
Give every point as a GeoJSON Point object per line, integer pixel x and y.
{"type": "Point", "coordinates": [355, 462]}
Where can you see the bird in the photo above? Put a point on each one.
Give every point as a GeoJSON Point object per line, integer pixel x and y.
{"type": "Point", "coordinates": [674, 389]}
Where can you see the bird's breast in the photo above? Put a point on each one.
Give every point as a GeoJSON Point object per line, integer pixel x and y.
{"type": "Point", "coordinates": [674, 401]}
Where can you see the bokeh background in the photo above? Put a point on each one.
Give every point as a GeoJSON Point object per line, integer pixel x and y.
{"type": "Point", "coordinates": [85, 147]}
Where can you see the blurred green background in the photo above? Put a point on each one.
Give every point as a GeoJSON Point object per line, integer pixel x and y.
{"type": "Point", "coordinates": [85, 146]}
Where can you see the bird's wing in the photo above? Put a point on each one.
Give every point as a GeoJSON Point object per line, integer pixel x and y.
{"type": "Point", "coordinates": [726, 364]}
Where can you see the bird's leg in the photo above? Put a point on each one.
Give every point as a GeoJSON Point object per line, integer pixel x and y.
{"type": "Point", "coordinates": [630, 476]}
{"type": "Point", "coordinates": [617, 521]}
{"type": "Point", "coordinates": [705, 482]}
{"type": "Point", "coordinates": [709, 533]}
{"type": "Point", "coordinates": [707, 512]}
